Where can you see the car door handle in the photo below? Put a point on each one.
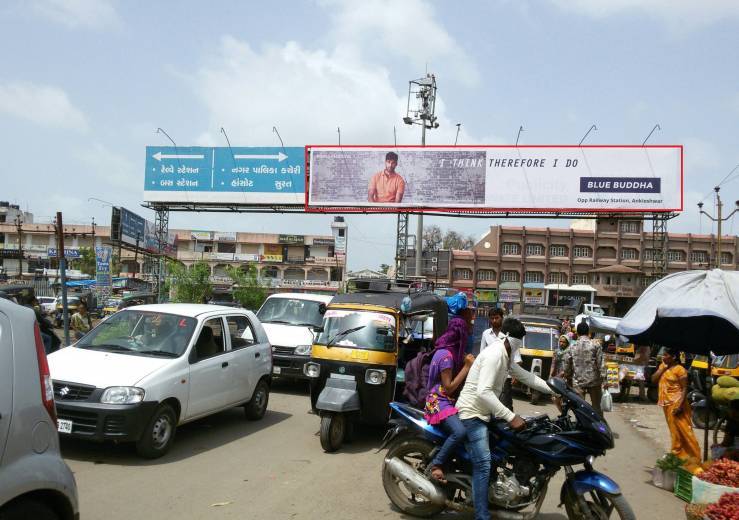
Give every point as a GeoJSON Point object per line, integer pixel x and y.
{"type": "Point", "coordinates": [224, 364]}
{"type": "Point", "coordinates": [257, 354]}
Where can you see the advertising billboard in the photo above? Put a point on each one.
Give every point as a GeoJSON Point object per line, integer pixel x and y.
{"type": "Point", "coordinates": [133, 227]}
{"type": "Point", "coordinates": [103, 277]}
{"type": "Point", "coordinates": [546, 179]}
{"type": "Point", "coordinates": [225, 175]}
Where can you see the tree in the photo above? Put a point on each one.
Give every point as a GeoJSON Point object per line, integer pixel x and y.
{"type": "Point", "coordinates": [190, 285]}
{"type": "Point", "coordinates": [86, 263]}
{"type": "Point", "coordinates": [455, 240]}
{"type": "Point", "coordinates": [384, 268]}
{"type": "Point", "coordinates": [432, 238]}
{"type": "Point", "coordinates": [247, 289]}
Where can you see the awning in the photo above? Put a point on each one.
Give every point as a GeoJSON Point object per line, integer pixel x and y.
{"type": "Point", "coordinates": [570, 288]}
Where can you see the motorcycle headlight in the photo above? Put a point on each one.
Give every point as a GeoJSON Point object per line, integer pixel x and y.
{"type": "Point", "coordinates": [375, 376]}
{"type": "Point", "coordinates": [303, 350]}
{"type": "Point", "coordinates": [122, 395]}
{"type": "Point", "coordinates": [312, 369]}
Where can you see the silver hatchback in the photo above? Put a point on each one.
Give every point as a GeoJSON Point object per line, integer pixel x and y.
{"type": "Point", "coordinates": [34, 480]}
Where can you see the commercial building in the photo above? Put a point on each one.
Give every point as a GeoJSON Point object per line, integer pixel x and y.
{"type": "Point", "coordinates": [283, 261]}
{"type": "Point", "coordinates": [610, 259]}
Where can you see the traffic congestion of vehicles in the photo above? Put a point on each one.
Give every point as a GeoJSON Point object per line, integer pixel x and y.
{"type": "Point", "coordinates": [148, 369]}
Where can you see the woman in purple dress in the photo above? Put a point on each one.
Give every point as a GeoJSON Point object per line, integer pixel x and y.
{"type": "Point", "coordinates": [447, 372]}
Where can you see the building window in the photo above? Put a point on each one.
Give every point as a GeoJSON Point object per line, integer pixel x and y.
{"type": "Point", "coordinates": [582, 252]}
{"type": "Point", "coordinates": [269, 272]}
{"type": "Point", "coordinates": [648, 254]}
{"type": "Point", "coordinates": [560, 278]}
{"type": "Point", "coordinates": [486, 275]}
{"type": "Point", "coordinates": [628, 226]}
{"type": "Point", "coordinates": [556, 250]}
{"type": "Point", "coordinates": [726, 258]}
{"type": "Point", "coordinates": [646, 281]}
{"type": "Point", "coordinates": [534, 250]}
{"type": "Point", "coordinates": [510, 276]}
{"type": "Point", "coordinates": [674, 255]}
{"type": "Point", "coordinates": [628, 253]}
{"type": "Point", "coordinates": [463, 274]}
{"type": "Point", "coordinates": [511, 248]}
{"type": "Point", "coordinates": [533, 277]}
{"type": "Point", "coordinates": [699, 257]}
{"type": "Point", "coordinates": [579, 279]}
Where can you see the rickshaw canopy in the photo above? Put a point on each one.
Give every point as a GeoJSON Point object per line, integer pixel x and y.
{"type": "Point", "coordinates": [695, 311]}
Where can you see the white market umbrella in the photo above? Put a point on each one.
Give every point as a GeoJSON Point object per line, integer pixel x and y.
{"type": "Point", "coordinates": [695, 311]}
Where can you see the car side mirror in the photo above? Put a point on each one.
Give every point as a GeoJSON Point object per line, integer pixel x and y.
{"type": "Point", "coordinates": [317, 330]}
{"type": "Point", "coordinates": [322, 309]}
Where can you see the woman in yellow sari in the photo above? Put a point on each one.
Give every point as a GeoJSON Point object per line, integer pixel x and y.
{"type": "Point", "coordinates": [673, 390]}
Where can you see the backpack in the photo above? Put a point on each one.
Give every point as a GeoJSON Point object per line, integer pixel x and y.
{"type": "Point", "coordinates": [416, 378]}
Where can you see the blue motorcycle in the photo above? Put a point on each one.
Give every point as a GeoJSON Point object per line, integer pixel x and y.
{"type": "Point", "coordinates": [523, 464]}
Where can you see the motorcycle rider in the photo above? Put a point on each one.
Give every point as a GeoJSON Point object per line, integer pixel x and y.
{"type": "Point", "coordinates": [479, 401]}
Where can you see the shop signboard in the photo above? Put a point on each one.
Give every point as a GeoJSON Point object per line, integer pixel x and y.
{"type": "Point", "coordinates": [319, 241]}
{"type": "Point", "coordinates": [272, 258]}
{"type": "Point", "coordinates": [224, 236]}
{"type": "Point", "coordinates": [486, 295]}
{"type": "Point", "coordinates": [502, 178]}
{"type": "Point", "coordinates": [69, 252]}
{"type": "Point", "coordinates": [509, 295]}
{"type": "Point", "coordinates": [246, 257]}
{"type": "Point", "coordinates": [533, 296]}
{"type": "Point", "coordinates": [201, 236]}
{"type": "Point", "coordinates": [291, 239]}
{"type": "Point", "coordinates": [103, 277]}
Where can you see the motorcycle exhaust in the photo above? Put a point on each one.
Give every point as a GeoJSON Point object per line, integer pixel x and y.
{"type": "Point", "coordinates": [415, 480]}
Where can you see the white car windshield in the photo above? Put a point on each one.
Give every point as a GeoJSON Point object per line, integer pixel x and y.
{"type": "Point", "coordinates": [358, 329]}
{"type": "Point", "coordinates": [291, 311]}
{"type": "Point", "coordinates": [141, 333]}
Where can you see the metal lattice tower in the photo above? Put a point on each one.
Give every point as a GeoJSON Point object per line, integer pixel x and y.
{"type": "Point", "coordinates": [401, 246]}
{"type": "Point", "coordinates": [659, 244]}
{"type": "Point", "coordinates": [161, 224]}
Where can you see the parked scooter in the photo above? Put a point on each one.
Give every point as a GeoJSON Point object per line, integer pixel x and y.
{"type": "Point", "coordinates": [523, 464]}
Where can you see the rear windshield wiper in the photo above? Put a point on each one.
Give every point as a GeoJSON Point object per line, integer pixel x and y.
{"type": "Point", "coordinates": [278, 321]}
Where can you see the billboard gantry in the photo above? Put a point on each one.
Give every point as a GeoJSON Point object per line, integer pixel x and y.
{"type": "Point", "coordinates": [495, 179]}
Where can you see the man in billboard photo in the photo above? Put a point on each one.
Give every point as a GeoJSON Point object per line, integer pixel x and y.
{"type": "Point", "coordinates": [387, 185]}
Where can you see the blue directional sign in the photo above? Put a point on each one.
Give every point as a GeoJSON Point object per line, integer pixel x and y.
{"type": "Point", "coordinates": [244, 175]}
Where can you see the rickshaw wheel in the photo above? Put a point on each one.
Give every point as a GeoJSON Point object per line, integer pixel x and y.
{"type": "Point", "coordinates": [333, 430]}
{"type": "Point", "coordinates": [535, 395]}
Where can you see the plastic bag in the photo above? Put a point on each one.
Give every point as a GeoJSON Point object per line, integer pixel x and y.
{"type": "Point", "coordinates": [707, 493]}
{"type": "Point", "coordinates": [606, 402]}
{"type": "Point", "coordinates": [456, 303]}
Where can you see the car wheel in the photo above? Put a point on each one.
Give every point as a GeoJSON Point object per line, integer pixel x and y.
{"type": "Point", "coordinates": [158, 434]}
{"type": "Point", "coordinates": [23, 509]}
{"type": "Point", "coordinates": [257, 407]}
{"type": "Point", "coordinates": [333, 431]}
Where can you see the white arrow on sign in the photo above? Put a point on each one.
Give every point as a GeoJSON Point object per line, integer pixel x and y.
{"type": "Point", "coordinates": [159, 156]}
{"type": "Point", "coordinates": [280, 156]}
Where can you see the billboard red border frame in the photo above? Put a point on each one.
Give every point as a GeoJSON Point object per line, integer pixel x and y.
{"type": "Point", "coordinates": [490, 211]}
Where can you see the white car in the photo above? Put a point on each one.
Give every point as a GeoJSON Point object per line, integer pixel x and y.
{"type": "Point", "coordinates": [288, 319]}
{"type": "Point", "coordinates": [48, 304]}
{"type": "Point", "coordinates": [148, 369]}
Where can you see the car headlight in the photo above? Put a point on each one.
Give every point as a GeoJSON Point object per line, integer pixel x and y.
{"type": "Point", "coordinates": [122, 395]}
{"type": "Point", "coordinates": [303, 350]}
{"type": "Point", "coordinates": [375, 377]}
{"type": "Point", "coordinates": [312, 369]}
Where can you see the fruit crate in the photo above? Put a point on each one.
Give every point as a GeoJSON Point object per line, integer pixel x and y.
{"type": "Point", "coordinates": [684, 485]}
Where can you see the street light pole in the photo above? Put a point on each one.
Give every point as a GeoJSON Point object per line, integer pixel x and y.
{"type": "Point", "coordinates": [719, 219]}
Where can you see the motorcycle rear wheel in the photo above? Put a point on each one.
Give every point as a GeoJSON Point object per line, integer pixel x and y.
{"type": "Point", "coordinates": [601, 507]}
{"type": "Point", "coordinates": [417, 453]}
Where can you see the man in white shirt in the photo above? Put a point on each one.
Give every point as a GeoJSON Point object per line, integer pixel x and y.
{"type": "Point", "coordinates": [479, 402]}
{"type": "Point", "coordinates": [495, 318]}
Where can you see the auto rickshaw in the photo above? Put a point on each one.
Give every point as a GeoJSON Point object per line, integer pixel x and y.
{"type": "Point", "coordinates": [539, 344]}
{"type": "Point", "coordinates": [360, 350]}
{"type": "Point", "coordinates": [721, 366]}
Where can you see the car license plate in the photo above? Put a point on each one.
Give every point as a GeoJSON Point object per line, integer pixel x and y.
{"type": "Point", "coordinates": [64, 426]}
{"type": "Point", "coordinates": [276, 370]}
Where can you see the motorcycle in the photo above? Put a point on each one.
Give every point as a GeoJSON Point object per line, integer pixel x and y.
{"type": "Point", "coordinates": [523, 463]}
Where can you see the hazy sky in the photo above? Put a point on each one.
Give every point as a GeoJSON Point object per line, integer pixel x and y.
{"type": "Point", "coordinates": [85, 83]}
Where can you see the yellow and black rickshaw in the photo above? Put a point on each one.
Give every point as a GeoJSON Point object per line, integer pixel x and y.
{"type": "Point", "coordinates": [539, 344]}
{"type": "Point", "coordinates": [357, 358]}
{"type": "Point", "coordinates": [720, 366]}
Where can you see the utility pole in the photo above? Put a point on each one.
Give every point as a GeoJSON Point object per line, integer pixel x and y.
{"type": "Point", "coordinates": [62, 274]}
{"type": "Point", "coordinates": [719, 219]}
{"type": "Point", "coordinates": [19, 227]}
{"type": "Point", "coordinates": [424, 91]}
